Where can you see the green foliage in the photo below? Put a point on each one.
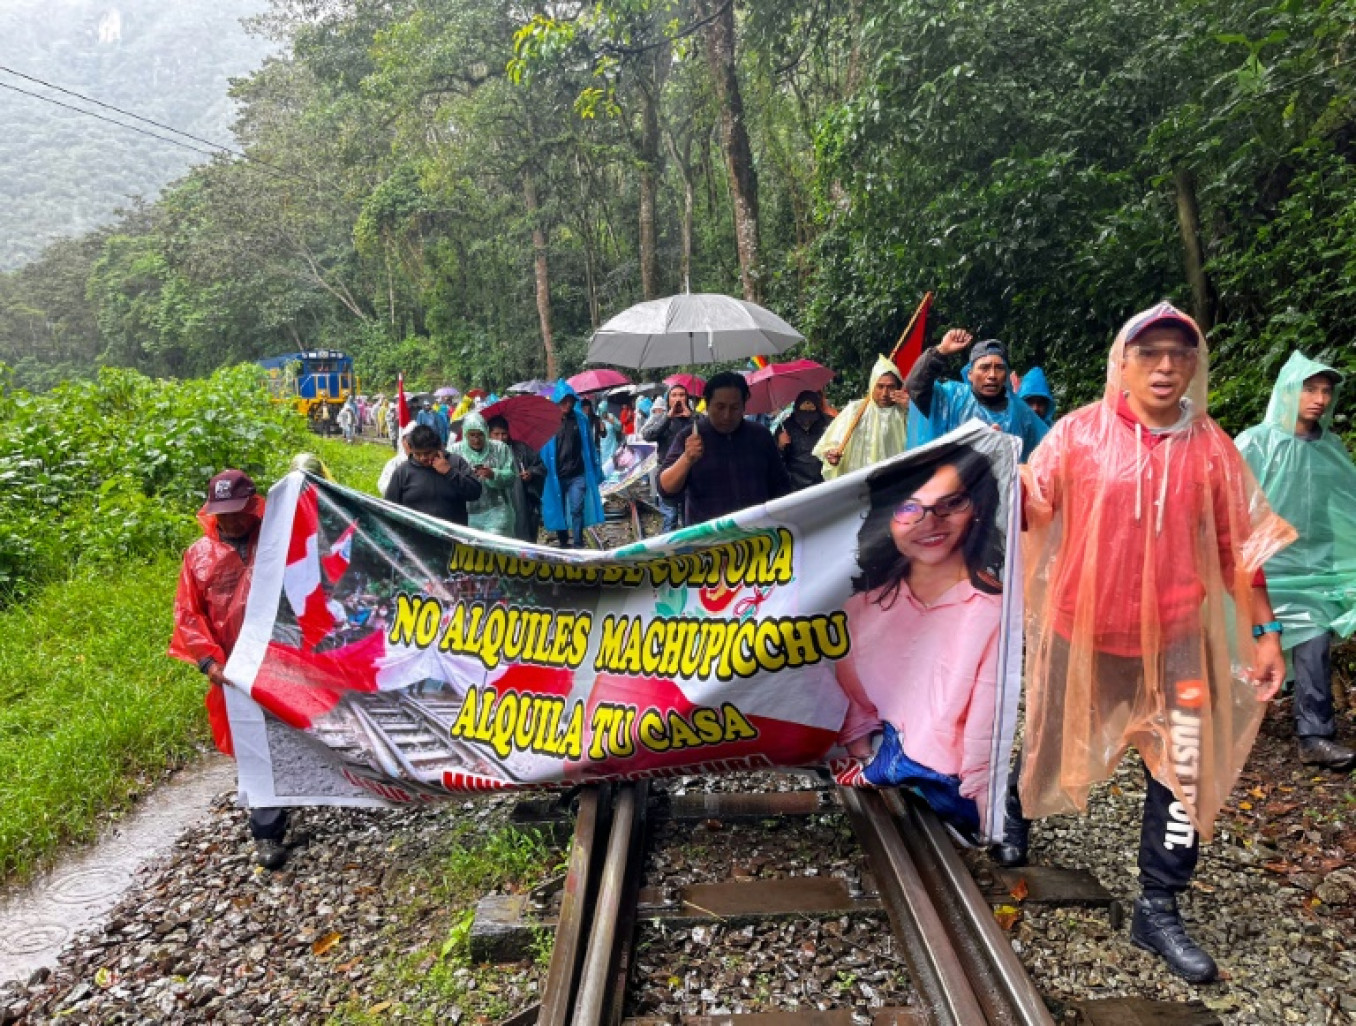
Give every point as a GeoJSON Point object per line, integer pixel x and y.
{"type": "Point", "coordinates": [91, 710]}
{"type": "Point", "coordinates": [1023, 160]}
{"type": "Point", "coordinates": [108, 473]}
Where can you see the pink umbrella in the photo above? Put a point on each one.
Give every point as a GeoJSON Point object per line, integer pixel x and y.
{"type": "Point", "coordinates": [773, 386]}
{"type": "Point", "coordinates": [597, 380]}
{"type": "Point", "coordinates": [695, 386]}
{"type": "Point", "coordinates": [532, 418]}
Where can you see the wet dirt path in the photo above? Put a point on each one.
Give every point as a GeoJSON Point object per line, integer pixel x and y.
{"type": "Point", "coordinates": [37, 920]}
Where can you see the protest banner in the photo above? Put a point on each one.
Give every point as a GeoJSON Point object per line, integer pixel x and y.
{"type": "Point", "coordinates": [870, 625]}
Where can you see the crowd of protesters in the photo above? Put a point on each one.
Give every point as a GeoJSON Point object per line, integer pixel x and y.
{"type": "Point", "coordinates": [1139, 514]}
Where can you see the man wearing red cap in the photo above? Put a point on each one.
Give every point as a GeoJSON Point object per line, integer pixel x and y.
{"type": "Point", "coordinates": [209, 610]}
{"type": "Point", "coordinates": [1148, 619]}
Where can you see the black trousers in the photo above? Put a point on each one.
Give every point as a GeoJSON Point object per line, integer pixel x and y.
{"type": "Point", "coordinates": [268, 824]}
{"type": "Point", "coordinates": [1312, 661]}
{"type": "Point", "coordinates": [1169, 846]}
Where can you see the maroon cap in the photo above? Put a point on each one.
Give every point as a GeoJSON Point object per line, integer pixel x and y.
{"type": "Point", "coordinates": [1164, 315]}
{"type": "Point", "coordinates": [229, 492]}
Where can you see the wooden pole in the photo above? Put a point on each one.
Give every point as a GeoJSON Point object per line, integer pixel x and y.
{"type": "Point", "coordinates": [861, 407]}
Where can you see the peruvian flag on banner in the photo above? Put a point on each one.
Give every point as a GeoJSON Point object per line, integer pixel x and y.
{"type": "Point", "coordinates": [301, 576]}
{"type": "Point", "coordinates": [910, 347]}
{"type": "Point", "coordinates": [402, 407]}
{"type": "Point", "coordinates": [341, 554]}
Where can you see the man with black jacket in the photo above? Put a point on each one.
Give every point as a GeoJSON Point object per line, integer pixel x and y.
{"type": "Point", "coordinates": [799, 434]}
{"type": "Point", "coordinates": [723, 463]}
{"type": "Point", "coordinates": [433, 481]}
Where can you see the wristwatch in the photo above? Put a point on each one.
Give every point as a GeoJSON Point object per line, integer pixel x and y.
{"type": "Point", "coordinates": [1274, 627]}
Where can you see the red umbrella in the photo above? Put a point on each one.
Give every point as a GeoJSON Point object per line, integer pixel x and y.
{"type": "Point", "coordinates": [532, 418]}
{"type": "Point", "coordinates": [476, 393]}
{"type": "Point", "coordinates": [597, 380]}
{"type": "Point", "coordinates": [773, 386]}
{"type": "Point", "coordinates": [695, 386]}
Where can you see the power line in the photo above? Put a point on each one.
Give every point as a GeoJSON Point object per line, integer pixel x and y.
{"type": "Point", "coordinates": [111, 121]}
{"type": "Point", "coordinates": [124, 113]}
{"type": "Point", "coordinates": [273, 169]}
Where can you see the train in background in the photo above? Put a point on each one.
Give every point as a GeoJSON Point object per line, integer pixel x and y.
{"type": "Point", "coordinates": [316, 383]}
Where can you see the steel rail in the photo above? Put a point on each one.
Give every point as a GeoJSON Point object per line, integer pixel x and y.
{"type": "Point", "coordinates": [1004, 988]}
{"type": "Point", "coordinates": [944, 986]}
{"type": "Point", "coordinates": [575, 905]}
{"type": "Point", "coordinates": [592, 1005]}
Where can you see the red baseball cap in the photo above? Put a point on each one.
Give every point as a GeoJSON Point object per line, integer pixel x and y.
{"type": "Point", "coordinates": [1164, 315]}
{"type": "Point", "coordinates": [229, 492]}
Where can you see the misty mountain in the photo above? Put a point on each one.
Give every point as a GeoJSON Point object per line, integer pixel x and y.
{"type": "Point", "coordinates": [62, 173]}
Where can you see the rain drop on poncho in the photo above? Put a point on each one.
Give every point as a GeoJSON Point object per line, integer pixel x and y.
{"type": "Point", "coordinates": [880, 434]}
{"type": "Point", "coordinates": [493, 512]}
{"type": "Point", "coordinates": [1141, 548]}
{"type": "Point", "coordinates": [1312, 484]}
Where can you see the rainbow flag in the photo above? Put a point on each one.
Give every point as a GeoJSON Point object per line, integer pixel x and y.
{"type": "Point", "coordinates": [759, 362]}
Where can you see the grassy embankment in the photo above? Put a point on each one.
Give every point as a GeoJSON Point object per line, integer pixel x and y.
{"type": "Point", "coordinates": [91, 710]}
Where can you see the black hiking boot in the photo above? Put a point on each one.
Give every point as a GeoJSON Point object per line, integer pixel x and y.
{"type": "Point", "coordinates": [1157, 926]}
{"type": "Point", "coordinates": [1325, 752]}
{"type": "Point", "coordinates": [272, 855]}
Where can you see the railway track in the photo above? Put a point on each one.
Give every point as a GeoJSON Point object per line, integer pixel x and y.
{"type": "Point", "coordinates": [960, 966]}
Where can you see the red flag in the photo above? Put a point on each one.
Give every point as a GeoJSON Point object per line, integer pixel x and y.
{"type": "Point", "coordinates": [301, 575]}
{"type": "Point", "coordinates": [402, 407]}
{"type": "Point", "coordinates": [910, 347]}
{"type": "Point", "coordinates": [340, 555]}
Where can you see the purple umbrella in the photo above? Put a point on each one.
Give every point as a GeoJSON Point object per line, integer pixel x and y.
{"type": "Point", "coordinates": [447, 392]}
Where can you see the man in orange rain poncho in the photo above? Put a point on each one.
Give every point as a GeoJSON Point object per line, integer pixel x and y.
{"type": "Point", "coordinates": [1145, 602]}
{"type": "Point", "coordinates": [209, 610]}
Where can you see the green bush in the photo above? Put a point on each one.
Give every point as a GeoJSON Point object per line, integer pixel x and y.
{"type": "Point", "coordinates": [113, 469]}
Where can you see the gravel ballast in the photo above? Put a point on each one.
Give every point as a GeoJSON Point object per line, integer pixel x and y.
{"type": "Point", "coordinates": [355, 931]}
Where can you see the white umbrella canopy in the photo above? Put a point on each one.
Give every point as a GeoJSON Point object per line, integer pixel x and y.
{"type": "Point", "coordinates": [689, 329]}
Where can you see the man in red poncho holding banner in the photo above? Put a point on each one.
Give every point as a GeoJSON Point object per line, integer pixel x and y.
{"type": "Point", "coordinates": [209, 610]}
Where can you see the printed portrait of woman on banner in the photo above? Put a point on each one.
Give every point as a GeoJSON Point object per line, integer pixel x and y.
{"type": "Point", "coordinates": [924, 617]}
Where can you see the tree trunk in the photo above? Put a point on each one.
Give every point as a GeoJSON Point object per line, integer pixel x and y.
{"type": "Point", "coordinates": [543, 272]}
{"type": "Point", "coordinates": [1189, 223]}
{"type": "Point", "coordinates": [683, 160]}
{"type": "Point", "coordinates": [589, 238]}
{"type": "Point", "coordinates": [651, 83]}
{"type": "Point", "coordinates": [720, 53]}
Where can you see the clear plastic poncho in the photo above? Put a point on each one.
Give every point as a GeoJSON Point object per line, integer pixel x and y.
{"type": "Point", "coordinates": [1312, 484]}
{"type": "Point", "coordinates": [1140, 547]}
{"type": "Point", "coordinates": [880, 434]}
{"type": "Point", "coordinates": [494, 512]}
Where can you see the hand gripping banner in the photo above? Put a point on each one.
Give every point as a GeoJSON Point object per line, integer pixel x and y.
{"type": "Point", "coordinates": [869, 625]}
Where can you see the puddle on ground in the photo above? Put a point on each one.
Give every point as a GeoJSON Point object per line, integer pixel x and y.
{"type": "Point", "coordinates": [37, 920]}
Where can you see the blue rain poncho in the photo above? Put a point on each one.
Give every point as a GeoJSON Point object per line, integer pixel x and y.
{"type": "Point", "coordinates": [494, 512]}
{"type": "Point", "coordinates": [554, 515]}
{"type": "Point", "coordinates": [954, 402]}
{"type": "Point", "coordinates": [1312, 485]}
{"type": "Point", "coordinates": [611, 428]}
{"type": "Point", "coordinates": [1034, 386]}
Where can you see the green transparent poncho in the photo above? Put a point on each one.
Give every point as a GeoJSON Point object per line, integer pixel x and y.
{"type": "Point", "coordinates": [1312, 485]}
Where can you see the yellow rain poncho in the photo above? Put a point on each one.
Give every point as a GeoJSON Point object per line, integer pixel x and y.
{"type": "Point", "coordinates": [1312, 484]}
{"type": "Point", "coordinates": [880, 434]}
{"type": "Point", "coordinates": [1141, 553]}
